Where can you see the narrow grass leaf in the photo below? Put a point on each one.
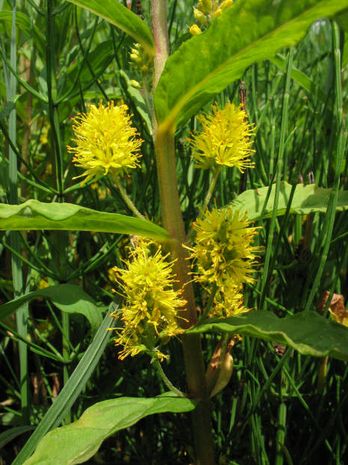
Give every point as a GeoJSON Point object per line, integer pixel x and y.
{"type": "Point", "coordinates": [12, 433]}
{"type": "Point", "coordinates": [70, 392]}
{"type": "Point", "coordinates": [35, 215]}
{"type": "Point", "coordinates": [23, 23]}
{"type": "Point", "coordinates": [297, 75]}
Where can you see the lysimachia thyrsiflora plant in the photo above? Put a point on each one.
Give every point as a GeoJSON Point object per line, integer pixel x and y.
{"type": "Point", "coordinates": [185, 278]}
{"type": "Point", "coordinates": [222, 256]}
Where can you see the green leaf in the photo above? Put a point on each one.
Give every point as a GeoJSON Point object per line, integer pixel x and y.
{"type": "Point", "coordinates": [342, 20]}
{"type": "Point", "coordinates": [35, 215]}
{"type": "Point", "coordinates": [67, 297]}
{"type": "Point", "coordinates": [23, 23]}
{"type": "Point", "coordinates": [12, 433]}
{"type": "Point", "coordinates": [138, 100]}
{"type": "Point", "coordinates": [298, 76]}
{"type": "Point", "coordinates": [71, 390]}
{"type": "Point", "coordinates": [248, 32]}
{"type": "Point", "coordinates": [307, 199]}
{"type": "Point", "coordinates": [75, 77]}
{"type": "Point", "coordinates": [77, 442]}
{"type": "Point", "coordinates": [118, 15]}
{"type": "Point", "coordinates": [306, 332]}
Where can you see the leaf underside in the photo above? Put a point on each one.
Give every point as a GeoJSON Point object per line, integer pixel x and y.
{"type": "Point", "coordinates": [117, 14]}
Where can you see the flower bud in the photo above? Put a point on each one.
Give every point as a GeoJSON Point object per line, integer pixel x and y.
{"type": "Point", "coordinates": [134, 84]}
{"type": "Point", "coordinates": [226, 4]}
{"type": "Point", "coordinates": [217, 13]}
{"type": "Point", "coordinates": [195, 30]}
{"type": "Point", "coordinates": [199, 16]}
{"type": "Point", "coordinates": [135, 57]}
{"type": "Point", "coordinates": [205, 6]}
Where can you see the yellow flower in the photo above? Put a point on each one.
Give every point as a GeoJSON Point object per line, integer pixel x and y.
{"type": "Point", "coordinates": [207, 10]}
{"type": "Point", "coordinates": [106, 141]}
{"type": "Point", "coordinates": [151, 307]}
{"type": "Point", "coordinates": [223, 250]}
{"type": "Point", "coordinates": [205, 6]}
{"type": "Point", "coordinates": [228, 301]}
{"type": "Point", "coordinates": [225, 139]}
{"type": "Point", "coordinates": [199, 16]}
{"type": "Point", "coordinates": [226, 4]}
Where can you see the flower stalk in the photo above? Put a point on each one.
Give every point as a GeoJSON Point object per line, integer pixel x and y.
{"type": "Point", "coordinates": [127, 200]}
{"type": "Point", "coordinates": [172, 220]}
{"type": "Point", "coordinates": [165, 378]}
{"type": "Point", "coordinates": [210, 192]}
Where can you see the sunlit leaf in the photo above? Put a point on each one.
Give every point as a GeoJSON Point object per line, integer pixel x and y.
{"type": "Point", "coordinates": [258, 203]}
{"type": "Point", "coordinates": [35, 215]}
{"type": "Point", "coordinates": [77, 442]}
{"type": "Point", "coordinates": [248, 32]}
{"type": "Point", "coordinates": [71, 390]}
{"type": "Point", "coordinates": [118, 15]}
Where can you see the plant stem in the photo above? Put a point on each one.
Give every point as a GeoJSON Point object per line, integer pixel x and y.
{"type": "Point", "coordinates": [127, 200]}
{"type": "Point", "coordinates": [16, 264]}
{"type": "Point", "coordinates": [216, 174]}
{"type": "Point", "coordinates": [52, 98]}
{"type": "Point", "coordinates": [165, 379]}
{"type": "Point", "coordinates": [173, 222]}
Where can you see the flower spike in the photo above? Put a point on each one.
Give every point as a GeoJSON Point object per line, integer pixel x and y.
{"type": "Point", "coordinates": [151, 307]}
{"type": "Point", "coordinates": [106, 141]}
{"type": "Point", "coordinates": [225, 139]}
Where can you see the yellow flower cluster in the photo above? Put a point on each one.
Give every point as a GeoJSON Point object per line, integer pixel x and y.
{"type": "Point", "coordinates": [151, 307]}
{"type": "Point", "coordinates": [225, 258]}
{"type": "Point", "coordinates": [106, 142]}
{"type": "Point", "coordinates": [225, 139]}
{"type": "Point", "coordinates": [206, 11]}
{"type": "Point", "coordinates": [228, 301]}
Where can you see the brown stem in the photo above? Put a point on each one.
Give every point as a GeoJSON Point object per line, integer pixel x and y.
{"type": "Point", "coordinates": [173, 222]}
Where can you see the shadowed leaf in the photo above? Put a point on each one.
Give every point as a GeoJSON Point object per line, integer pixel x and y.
{"type": "Point", "coordinates": [306, 332]}
{"type": "Point", "coordinates": [67, 297]}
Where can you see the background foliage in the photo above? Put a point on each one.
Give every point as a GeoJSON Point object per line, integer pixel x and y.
{"type": "Point", "coordinates": [280, 406]}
